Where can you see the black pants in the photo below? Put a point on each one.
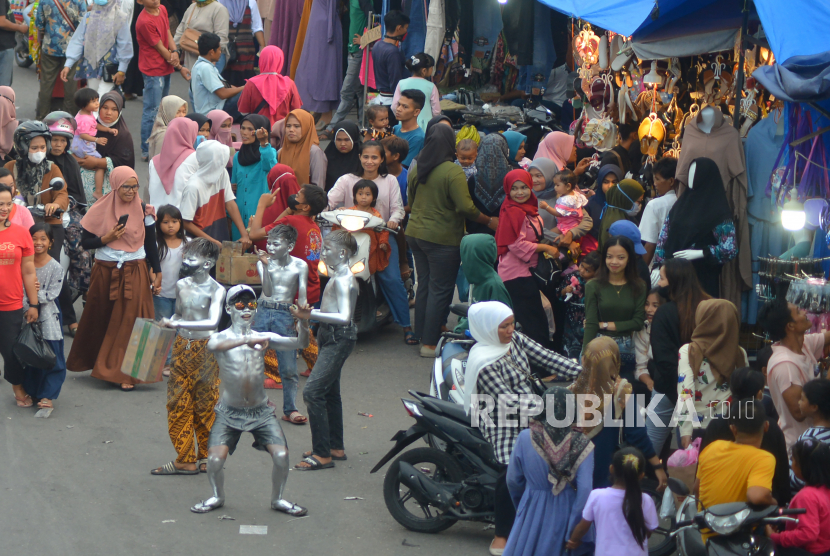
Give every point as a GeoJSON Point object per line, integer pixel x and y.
{"type": "Point", "coordinates": [437, 268]}
{"type": "Point", "coordinates": [528, 310]}
{"type": "Point", "coordinates": [10, 324]}
{"type": "Point", "coordinates": [505, 511]}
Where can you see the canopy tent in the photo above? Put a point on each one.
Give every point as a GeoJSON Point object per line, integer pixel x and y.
{"type": "Point", "coordinates": [792, 27]}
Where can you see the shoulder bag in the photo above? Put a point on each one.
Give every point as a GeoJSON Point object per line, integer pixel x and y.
{"type": "Point", "coordinates": [190, 37]}
{"type": "Point", "coordinates": [547, 269]}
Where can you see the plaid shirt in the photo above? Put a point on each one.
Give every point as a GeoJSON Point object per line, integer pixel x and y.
{"type": "Point", "coordinates": [508, 375]}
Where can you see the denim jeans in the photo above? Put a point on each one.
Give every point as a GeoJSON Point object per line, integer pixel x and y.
{"type": "Point", "coordinates": [656, 434]}
{"type": "Point", "coordinates": [6, 67]}
{"type": "Point", "coordinates": [165, 308]}
{"type": "Point", "coordinates": [279, 321]}
{"type": "Point", "coordinates": [155, 88]}
{"type": "Point", "coordinates": [437, 267]}
{"type": "Point", "coordinates": [391, 284]}
{"type": "Point", "coordinates": [351, 91]}
{"type": "Point", "coordinates": [43, 383]}
{"type": "Point", "coordinates": [322, 389]}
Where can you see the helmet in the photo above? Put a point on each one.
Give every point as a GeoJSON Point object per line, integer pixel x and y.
{"type": "Point", "coordinates": [61, 124]}
{"type": "Point", "coordinates": [27, 131]}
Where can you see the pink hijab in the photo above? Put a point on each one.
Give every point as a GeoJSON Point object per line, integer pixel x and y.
{"type": "Point", "coordinates": [271, 84]}
{"type": "Point", "coordinates": [104, 214]}
{"type": "Point", "coordinates": [177, 145]}
{"type": "Point", "coordinates": [217, 118]}
{"type": "Point", "coordinates": [8, 120]}
{"type": "Point", "coordinates": [556, 146]}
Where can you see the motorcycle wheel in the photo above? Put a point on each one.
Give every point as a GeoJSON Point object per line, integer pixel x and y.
{"type": "Point", "coordinates": [659, 545]}
{"type": "Point", "coordinates": [22, 59]}
{"type": "Point", "coordinates": [404, 508]}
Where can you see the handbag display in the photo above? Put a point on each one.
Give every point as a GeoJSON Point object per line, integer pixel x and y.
{"type": "Point", "coordinates": [32, 350]}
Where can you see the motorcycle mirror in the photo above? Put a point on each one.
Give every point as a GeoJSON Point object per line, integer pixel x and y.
{"type": "Point", "coordinates": [678, 487]}
{"type": "Point", "coordinates": [56, 184]}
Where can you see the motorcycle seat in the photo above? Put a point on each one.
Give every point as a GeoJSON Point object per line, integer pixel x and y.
{"type": "Point", "coordinates": [452, 410]}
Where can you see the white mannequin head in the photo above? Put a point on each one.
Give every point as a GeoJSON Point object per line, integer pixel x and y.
{"type": "Point", "coordinates": [707, 120]}
{"type": "Point", "coordinates": [692, 168]}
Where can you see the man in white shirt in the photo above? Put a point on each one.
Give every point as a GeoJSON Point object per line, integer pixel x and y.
{"type": "Point", "coordinates": [658, 209]}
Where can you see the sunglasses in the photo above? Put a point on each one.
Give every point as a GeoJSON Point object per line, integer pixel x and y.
{"type": "Point", "coordinates": [240, 305]}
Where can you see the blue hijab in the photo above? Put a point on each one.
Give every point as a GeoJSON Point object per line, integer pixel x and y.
{"type": "Point", "coordinates": [597, 202]}
{"type": "Point", "coordinates": [514, 141]}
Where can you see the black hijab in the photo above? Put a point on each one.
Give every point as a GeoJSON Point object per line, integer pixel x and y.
{"type": "Point", "coordinates": [119, 148]}
{"type": "Point", "coordinates": [435, 120]}
{"type": "Point", "coordinates": [71, 173]}
{"type": "Point", "coordinates": [698, 210]}
{"type": "Point", "coordinates": [340, 164]}
{"type": "Point", "coordinates": [200, 119]}
{"type": "Point", "coordinates": [249, 153]}
{"type": "Point", "coordinates": [439, 147]}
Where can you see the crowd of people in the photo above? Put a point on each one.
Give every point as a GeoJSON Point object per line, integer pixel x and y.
{"type": "Point", "coordinates": [569, 281]}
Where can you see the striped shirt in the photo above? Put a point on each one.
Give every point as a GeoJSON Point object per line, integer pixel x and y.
{"type": "Point", "coordinates": [205, 206]}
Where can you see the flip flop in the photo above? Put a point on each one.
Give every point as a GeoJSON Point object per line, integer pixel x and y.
{"type": "Point", "coordinates": [410, 339]}
{"type": "Point", "coordinates": [296, 510]}
{"type": "Point", "coordinates": [344, 457]}
{"type": "Point", "coordinates": [25, 401]}
{"type": "Point", "coordinates": [170, 469]}
{"type": "Point", "coordinates": [199, 464]}
{"type": "Point", "coordinates": [314, 465]}
{"type": "Point", "coordinates": [298, 420]}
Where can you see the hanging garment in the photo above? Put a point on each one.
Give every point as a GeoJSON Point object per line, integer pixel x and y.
{"type": "Point", "coordinates": [299, 43]}
{"type": "Point", "coordinates": [519, 34]}
{"type": "Point", "coordinates": [320, 71]}
{"type": "Point", "coordinates": [436, 29]}
{"type": "Point", "coordinates": [723, 145]}
{"type": "Point", "coordinates": [416, 35]}
{"type": "Point", "coordinates": [286, 26]}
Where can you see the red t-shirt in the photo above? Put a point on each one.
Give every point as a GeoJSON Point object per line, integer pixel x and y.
{"type": "Point", "coordinates": [149, 30]}
{"type": "Point", "coordinates": [308, 247]}
{"type": "Point", "coordinates": [15, 243]}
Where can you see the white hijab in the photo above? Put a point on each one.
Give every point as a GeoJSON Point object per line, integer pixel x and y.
{"type": "Point", "coordinates": [212, 158]}
{"type": "Point", "coordinates": [484, 318]}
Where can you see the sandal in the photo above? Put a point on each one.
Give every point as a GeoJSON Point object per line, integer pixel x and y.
{"type": "Point", "coordinates": [295, 510]}
{"type": "Point", "coordinates": [170, 468]}
{"type": "Point", "coordinates": [130, 389]}
{"type": "Point", "coordinates": [200, 463]}
{"type": "Point", "coordinates": [344, 457]}
{"type": "Point", "coordinates": [25, 401]}
{"type": "Point", "coordinates": [45, 404]}
{"type": "Point", "coordinates": [313, 465]}
{"type": "Point", "coordinates": [298, 420]}
{"type": "Point", "coordinates": [410, 339]}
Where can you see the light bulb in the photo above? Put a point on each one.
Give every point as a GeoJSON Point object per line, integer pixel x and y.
{"type": "Point", "coordinates": [793, 216]}
{"type": "Point", "coordinates": [352, 223]}
{"type": "Point", "coordinates": [358, 267]}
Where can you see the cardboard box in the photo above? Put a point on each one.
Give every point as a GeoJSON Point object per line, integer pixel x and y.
{"type": "Point", "coordinates": [235, 267]}
{"type": "Point", "coordinates": [147, 350]}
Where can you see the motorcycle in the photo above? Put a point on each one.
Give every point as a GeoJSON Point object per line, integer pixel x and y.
{"type": "Point", "coordinates": [740, 527]}
{"type": "Point", "coordinates": [447, 379]}
{"type": "Point", "coordinates": [371, 311]}
{"type": "Point", "coordinates": [38, 212]}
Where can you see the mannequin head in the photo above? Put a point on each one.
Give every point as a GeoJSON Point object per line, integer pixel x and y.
{"type": "Point", "coordinates": [692, 168]}
{"type": "Point", "coordinates": [707, 120]}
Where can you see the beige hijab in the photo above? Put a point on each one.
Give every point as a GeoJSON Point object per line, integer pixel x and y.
{"type": "Point", "coordinates": [600, 376]}
{"type": "Point", "coordinates": [717, 327]}
{"type": "Point", "coordinates": [167, 111]}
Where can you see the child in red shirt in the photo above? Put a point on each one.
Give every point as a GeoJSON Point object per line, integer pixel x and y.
{"type": "Point", "coordinates": [811, 463]}
{"type": "Point", "coordinates": [157, 58]}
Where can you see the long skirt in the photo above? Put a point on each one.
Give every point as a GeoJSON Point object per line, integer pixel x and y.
{"type": "Point", "coordinates": [115, 299]}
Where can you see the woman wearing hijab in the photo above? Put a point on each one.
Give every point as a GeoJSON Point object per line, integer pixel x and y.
{"type": "Point", "coordinates": [516, 143]}
{"type": "Point", "coordinates": [8, 121]}
{"type": "Point", "coordinates": [117, 152]}
{"type": "Point", "coordinates": [558, 147]}
{"type": "Point", "coordinates": [119, 291]}
{"type": "Point", "coordinates": [549, 478]}
{"type": "Point", "coordinates": [270, 93]}
{"type": "Point", "coordinates": [600, 377]}
{"type": "Point", "coordinates": [300, 149]}
{"type": "Point", "coordinates": [343, 153]}
{"type": "Point", "coordinates": [608, 176]}
{"type": "Point", "coordinates": [699, 226]}
{"type": "Point", "coordinates": [171, 107]}
{"type": "Point", "coordinates": [518, 244]}
{"type": "Point", "coordinates": [102, 39]}
{"type": "Point", "coordinates": [440, 200]}
{"type": "Point", "coordinates": [542, 171]}
{"type": "Point", "coordinates": [622, 202]}
{"type": "Point", "coordinates": [204, 124]}
{"type": "Point", "coordinates": [283, 183]}
{"type": "Point", "coordinates": [221, 124]}
{"type": "Point", "coordinates": [204, 16]}
{"type": "Point", "coordinates": [245, 25]}
{"type": "Point", "coordinates": [175, 163]}
{"type": "Point", "coordinates": [251, 165]}
{"type": "Point", "coordinates": [478, 261]}
{"type": "Point", "coordinates": [499, 365]}
{"type": "Point", "coordinates": [487, 186]}
{"type": "Point", "coordinates": [707, 362]}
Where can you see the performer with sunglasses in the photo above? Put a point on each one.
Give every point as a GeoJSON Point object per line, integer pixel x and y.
{"type": "Point", "coordinates": [193, 387]}
{"type": "Point", "coordinates": [244, 405]}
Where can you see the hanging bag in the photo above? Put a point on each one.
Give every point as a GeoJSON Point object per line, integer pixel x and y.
{"type": "Point", "coordinates": [547, 269]}
{"type": "Point", "coordinates": [32, 350]}
{"type": "Point", "coordinates": [190, 37]}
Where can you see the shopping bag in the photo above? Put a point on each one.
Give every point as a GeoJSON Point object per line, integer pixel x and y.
{"type": "Point", "coordinates": [371, 75]}
{"type": "Point", "coordinates": [32, 350]}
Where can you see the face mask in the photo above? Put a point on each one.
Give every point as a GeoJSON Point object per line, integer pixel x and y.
{"type": "Point", "coordinates": [186, 271]}
{"type": "Point", "coordinates": [199, 139]}
{"type": "Point", "coordinates": [292, 202]}
{"type": "Point", "coordinates": [635, 207]}
{"type": "Point", "coordinates": [37, 158]}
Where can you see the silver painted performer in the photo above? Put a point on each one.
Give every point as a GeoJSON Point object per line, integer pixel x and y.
{"type": "Point", "coordinates": [243, 405]}
{"type": "Point", "coordinates": [284, 279]}
{"type": "Point", "coordinates": [336, 339]}
{"type": "Point", "coordinates": [193, 386]}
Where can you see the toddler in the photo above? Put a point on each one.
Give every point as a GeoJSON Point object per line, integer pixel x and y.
{"type": "Point", "coordinates": [378, 117]}
{"type": "Point", "coordinates": [84, 143]}
{"type": "Point", "coordinates": [365, 194]}
{"type": "Point", "coordinates": [642, 340]}
{"type": "Point", "coordinates": [572, 291]}
{"type": "Point", "coordinates": [466, 152]}
{"type": "Point", "coordinates": [568, 208]}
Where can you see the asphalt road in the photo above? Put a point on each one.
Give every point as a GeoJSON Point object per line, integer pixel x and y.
{"type": "Point", "coordinates": [79, 482]}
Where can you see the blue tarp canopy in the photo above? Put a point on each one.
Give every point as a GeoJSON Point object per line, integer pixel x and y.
{"type": "Point", "coordinates": [792, 27]}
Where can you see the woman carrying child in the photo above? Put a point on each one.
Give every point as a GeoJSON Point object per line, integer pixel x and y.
{"type": "Point", "coordinates": [45, 384]}
{"type": "Point", "coordinates": [421, 65]}
{"type": "Point", "coordinates": [568, 210]}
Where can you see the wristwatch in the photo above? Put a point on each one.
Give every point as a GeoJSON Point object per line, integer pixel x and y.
{"type": "Point", "coordinates": [603, 325]}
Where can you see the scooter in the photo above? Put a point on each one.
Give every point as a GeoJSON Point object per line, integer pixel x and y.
{"type": "Point", "coordinates": [371, 311]}
{"type": "Point", "coordinates": [740, 527]}
{"type": "Point", "coordinates": [447, 379]}
{"type": "Point", "coordinates": [38, 212]}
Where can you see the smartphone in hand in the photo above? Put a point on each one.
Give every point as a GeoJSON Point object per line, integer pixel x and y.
{"type": "Point", "coordinates": [123, 220]}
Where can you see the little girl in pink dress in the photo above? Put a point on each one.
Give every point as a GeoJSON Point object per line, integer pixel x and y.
{"type": "Point", "coordinates": [568, 209]}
